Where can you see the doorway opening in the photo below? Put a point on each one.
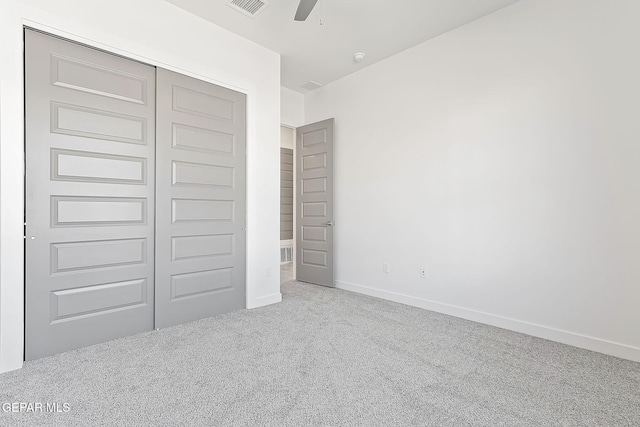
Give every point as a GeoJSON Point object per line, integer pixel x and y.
{"type": "Point", "coordinates": [306, 209]}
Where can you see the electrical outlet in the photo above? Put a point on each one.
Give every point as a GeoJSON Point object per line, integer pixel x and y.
{"type": "Point", "coordinates": [386, 267]}
{"type": "Point", "coordinates": [423, 273]}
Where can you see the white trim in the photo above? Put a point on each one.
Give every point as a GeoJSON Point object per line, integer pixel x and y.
{"type": "Point", "coordinates": [267, 300]}
{"type": "Point", "coordinates": [565, 337]}
{"type": "Point", "coordinates": [11, 194]}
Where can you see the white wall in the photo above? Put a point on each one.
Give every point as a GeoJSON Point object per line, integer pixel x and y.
{"type": "Point", "coordinates": [504, 156]}
{"type": "Point", "coordinates": [287, 137]}
{"type": "Point", "coordinates": [291, 108]}
{"type": "Point", "coordinates": [160, 34]}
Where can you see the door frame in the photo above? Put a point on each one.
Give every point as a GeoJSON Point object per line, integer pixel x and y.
{"type": "Point", "coordinates": [12, 256]}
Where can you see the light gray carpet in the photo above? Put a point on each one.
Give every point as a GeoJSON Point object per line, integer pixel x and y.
{"type": "Point", "coordinates": [332, 358]}
{"type": "Point", "coordinates": [286, 272]}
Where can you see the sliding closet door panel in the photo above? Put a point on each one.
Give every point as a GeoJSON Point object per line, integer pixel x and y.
{"type": "Point", "coordinates": [90, 132]}
{"type": "Point", "coordinates": [200, 214]}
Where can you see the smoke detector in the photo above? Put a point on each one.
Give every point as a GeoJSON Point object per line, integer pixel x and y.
{"type": "Point", "coordinates": [248, 8]}
{"type": "Point", "coordinates": [358, 57]}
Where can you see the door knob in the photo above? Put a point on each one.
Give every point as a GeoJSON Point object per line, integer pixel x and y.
{"type": "Point", "coordinates": [330, 223]}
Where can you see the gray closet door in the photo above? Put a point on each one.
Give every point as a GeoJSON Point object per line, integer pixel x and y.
{"type": "Point", "coordinates": [90, 134]}
{"type": "Point", "coordinates": [314, 198]}
{"type": "Point", "coordinates": [200, 214]}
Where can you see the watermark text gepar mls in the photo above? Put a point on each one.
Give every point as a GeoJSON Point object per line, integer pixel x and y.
{"type": "Point", "coordinates": [35, 407]}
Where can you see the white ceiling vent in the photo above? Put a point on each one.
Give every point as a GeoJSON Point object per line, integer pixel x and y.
{"type": "Point", "coordinates": [311, 85]}
{"type": "Point", "coordinates": [249, 8]}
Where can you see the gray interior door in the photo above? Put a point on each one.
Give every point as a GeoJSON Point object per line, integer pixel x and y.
{"type": "Point", "coordinates": [90, 133]}
{"type": "Point", "coordinates": [314, 200]}
{"type": "Point", "coordinates": [200, 214]}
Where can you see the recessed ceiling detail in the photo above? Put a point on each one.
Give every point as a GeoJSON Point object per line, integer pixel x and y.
{"type": "Point", "coordinates": [249, 8]}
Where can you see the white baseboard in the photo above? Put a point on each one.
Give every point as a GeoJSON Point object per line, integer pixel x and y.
{"type": "Point", "coordinates": [577, 340]}
{"type": "Point", "coordinates": [266, 300]}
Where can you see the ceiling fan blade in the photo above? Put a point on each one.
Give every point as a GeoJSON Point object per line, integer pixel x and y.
{"type": "Point", "coordinates": [304, 9]}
